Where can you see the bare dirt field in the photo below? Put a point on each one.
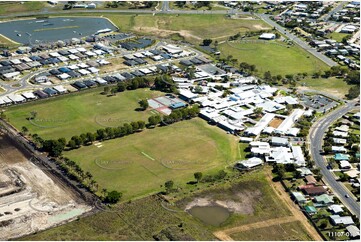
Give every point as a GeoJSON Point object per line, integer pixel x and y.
{"type": "Point", "coordinates": [29, 199]}
{"type": "Point", "coordinates": [275, 122]}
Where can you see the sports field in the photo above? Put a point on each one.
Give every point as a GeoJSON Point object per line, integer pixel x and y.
{"type": "Point", "coordinates": [140, 163]}
{"type": "Point", "coordinates": [272, 56]}
{"type": "Point", "coordinates": [78, 113]}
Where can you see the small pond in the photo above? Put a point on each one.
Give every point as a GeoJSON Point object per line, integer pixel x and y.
{"type": "Point", "coordinates": [212, 215]}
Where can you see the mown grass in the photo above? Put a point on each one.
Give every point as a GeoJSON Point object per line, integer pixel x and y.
{"type": "Point", "coordinates": [282, 232]}
{"type": "Point", "coordinates": [78, 113]}
{"type": "Point", "coordinates": [141, 163]}
{"type": "Point", "coordinates": [273, 56]}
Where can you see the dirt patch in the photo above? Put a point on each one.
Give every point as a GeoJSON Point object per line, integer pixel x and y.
{"type": "Point", "coordinates": [166, 33]}
{"type": "Point", "coordinates": [240, 203]}
{"type": "Point", "coordinates": [275, 122]}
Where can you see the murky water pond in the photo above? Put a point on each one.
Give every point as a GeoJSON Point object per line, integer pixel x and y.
{"type": "Point", "coordinates": [213, 215]}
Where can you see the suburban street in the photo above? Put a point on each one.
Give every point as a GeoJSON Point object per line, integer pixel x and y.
{"type": "Point", "coordinates": [317, 133]}
{"type": "Point", "coordinates": [297, 40]}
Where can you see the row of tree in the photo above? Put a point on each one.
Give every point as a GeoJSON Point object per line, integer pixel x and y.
{"type": "Point", "coordinates": [75, 172]}
{"type": "Point", "coordinates": [56, 147]}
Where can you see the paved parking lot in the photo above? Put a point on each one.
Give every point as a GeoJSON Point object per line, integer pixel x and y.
{"type": "Point", "coordinates": [318, 102]}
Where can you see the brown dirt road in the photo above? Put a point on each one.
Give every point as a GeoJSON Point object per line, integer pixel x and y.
{"type": "Point", "coordinates": [297, 215]}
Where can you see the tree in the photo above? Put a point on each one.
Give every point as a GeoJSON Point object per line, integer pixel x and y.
{"type": "Point", "coordinates": [353, 92]}
{"type": "Point", "coordinates": [24, 130]}
{"type": "Point", "coordinates": [106, 90]}
{"type": "Point", "coordinates": [33, 114]}
{"type": "Point", "coordinates": [141, 125]}
{"type": "Point", "coordinates": [113, 197]}
{"type": "Point", "coordinates": [258, 111]}
{"type": "Point", "coordinates": [198, 176]}
{"type": "Point", "coordinates": [169, 185]}
{"type": "Point", "coordinates": [71, 144]}
{"type": "Point", "coordinates": [122, 86]}
{"type": "Point", "coordinates": [144, 104]}
{"type": "Point", "coordinates": [267, 76]}
{"type": "Point", "coordinates": [207, 42]}
{"type": "Point", "coordinates": [90, 137]}
{"type": "Point", "coordinates": [113, 91]}
{"type": "Point", "coordinates": [154, 120]}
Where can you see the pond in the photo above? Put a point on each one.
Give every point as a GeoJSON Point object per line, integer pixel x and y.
{"type": "Point", "coordinates": [212, 215]}
{"type": "Point", "coordinates": [34, 31]}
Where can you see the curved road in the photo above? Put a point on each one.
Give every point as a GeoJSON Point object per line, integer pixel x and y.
{"type": "Point", "coordinates": [297, 40]}
{"type": "Point", "coordinates": [316, 135]}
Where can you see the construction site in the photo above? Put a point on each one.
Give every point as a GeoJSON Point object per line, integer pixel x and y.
{"type": "Point", "coordinates": [31, 198]}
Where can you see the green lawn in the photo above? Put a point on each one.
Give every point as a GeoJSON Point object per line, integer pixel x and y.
{"type": "Point", "coordinates": [78, 113]}
{"type": "Point", "coordinates": [16, 7]}
{"type": "Point", "coordinates": [273, 56]}
{"type": "Point", "coordinates": [139, 164]}
{"type": "Point", "coordinates": [286, 232]}
{"type": "Point", "coordinates": [332, 85]}
{"type": "Point", "coordinates": [338, 36]}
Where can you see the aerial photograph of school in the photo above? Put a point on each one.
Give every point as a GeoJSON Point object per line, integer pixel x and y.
{"type": "Point", "coordinates": [180, 120]}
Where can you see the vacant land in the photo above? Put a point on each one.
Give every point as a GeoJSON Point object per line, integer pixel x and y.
{"type": "Point", "coordinates": [338, 36]}
{"type": "Point", "coordinates": [29, 199]}
{"type": "Point", "coordinates": [131, 220]}
{"type": "Point", "coordinates": [193, 28]}
{"type": "Point", "coordinates": [139, 164]}
{"type": "Point", "coordinates": [143, 219]}
{"type": "Point", "coordinates": [78, 113]}
{"type": "Point", "coordinates": [18, 7]}
{"type": "Point", "coordinates": [251, 197]}
{"type": "Point", "coordinates": [332, 85]}
{"type": "Point", "coordinates": [273, 56]}
{"type": "Point", "coordinates": [279, 231]}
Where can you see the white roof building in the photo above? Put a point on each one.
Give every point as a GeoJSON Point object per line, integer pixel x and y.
{"type": "Point", "coordinates": [340, 134]}
{"type": "Point", "coordinates": [339, 149]}
{"type": "Point", "coordinates": [345, 220]}
{"type": "Point", "coordinates": [60, 89]}
{"type": "Point", "coordinates": [262, 123]}
{"type": "Point", "coordinates": [260, 148]}
{"type": "Point", "coordinates": [353, 231]}
{"type": "Point", "coordinates": [267, 36]}
{"type": "Point", "coordinates": [280, 155]}
{"type": "Point", "coordinates": [250, 163]}
{"type": "Point", "coordinates": [339, 141]}
{"type": "Point", "coordinates": [28, 95]}
{"type": "Point", "coordinates": [298, 155]}
{"type": "Point", "coordinates": [63, 76]}
{"type": "Point", "coordinates": [16, 98]}
{"type": "Point", "coordinates": [289, 121]}
{"type": "Point", "coordinates": [335, 208]}
{"type": "Point", "coordinates": [344, 164]}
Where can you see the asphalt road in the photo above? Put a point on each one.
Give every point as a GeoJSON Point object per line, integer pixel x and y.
{"type": "Point", "coordinates": [317, 133]}
{"type": "Point", "coordinates": [297, 40]}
